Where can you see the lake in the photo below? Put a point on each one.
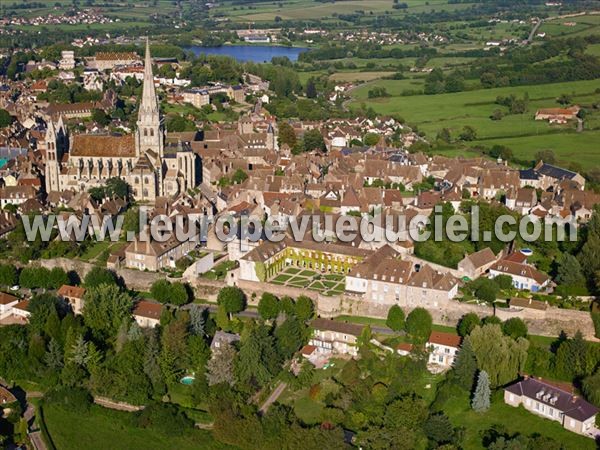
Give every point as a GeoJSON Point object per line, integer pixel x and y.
{"type": "Point", "coordinates": [255, 53]}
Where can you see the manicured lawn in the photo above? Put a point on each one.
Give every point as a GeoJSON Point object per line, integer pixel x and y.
{"type": "Point", "coordinates": [282, 277]}
{"type": "Point", "coordinates": [515, 420]}
{"type": "Point", "coordinates": [106, 429]}
{"type": "Point", "coordinates": [95, 250]}
{"type": "Point", "coordinates": [307, 273]}
{"type": "Point", "coordinates": [524, 135]}
{"type": "Point", "coordinates": [308, 410]}
{"type": "Point", "coordinates": [361, 320]}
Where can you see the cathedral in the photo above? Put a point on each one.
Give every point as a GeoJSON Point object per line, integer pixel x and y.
{"type": "Point", "coordinates": [152, 168]}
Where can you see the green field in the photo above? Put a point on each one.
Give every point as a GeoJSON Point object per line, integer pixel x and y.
{"type": "Point", "coordinates": [584, 25]}
{"type": "Point", "coordinates": [577, 147]}
{"type": "Point", "coordinates": [309, 9]}
{"type": "Point", "coordinates": [522, 133]}
{"type": "Point", "coordinates": [106, 429]}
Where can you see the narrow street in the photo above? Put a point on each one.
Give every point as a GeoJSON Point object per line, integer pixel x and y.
{"type": "Point", "coordinates": [273, 397]}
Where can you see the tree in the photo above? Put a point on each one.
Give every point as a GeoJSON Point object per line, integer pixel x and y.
{"type": "Point", "coordinates": [105, 307]}
{"type": "Point", "coordinates": [468, 133]}
{"type": "Point", "coordinates": [515, 328]}
{"type": "Point", "coordinates": [100, 117]}
{"type": "Point", "coordinates": [268, 306]}
{"type": "Point", "coordinates": [503, 281]}
{"type": "Point", "coordinates": [467, 323]}
{"type": "Point", "coordinates": [289, 337]}
{"type": "Point", "coordinates": [418, 324]}
{"type": "Point", "coordinates": [5, 118]}
{"type": "Point", "coordinates": [571, 357]}
{"type": "Point", "coordinates": [257, 361]}
{"type": "Point", "coordinates": [395, 318]}
{"type": "Point", "coordinates": [239, 176]}
{"type": "Point", "coordinates": [591, 388]}
{"type": "Point", "coordinates": [232, 299]}
{"type": "Point", "coordinates": [444, 135]}
{"type": "Point", "coordinates": [287, 135]}
{"type": "Point", "coordinates": [219, 368]}
{"type": "Point", "coordinates": [57, 277]}
{"type": "Point", "coordinates": [117, 187]}
{"type": "Point", "coordinates": [487, 290]}
{"type": "Point", "coordinates": [198, 320]}
{"type": "Point", "coordinates": [569, 270]}
{"type": "Point", "coordinates": [502, 357]}
{"type": "Point", "coordinates": [465, 366]}
{"type": "Point", "coordinates": [438, 428]}
{"type": "Point", "coordinates": [8, 275]}
{"type": "Point", "coordinates": [313, 140]}
{"type": "Point", "coordinates": [547, 156]}
{"type": "Point", "coordinates": [564, 99]}
{"type": "Point", "coordinates": [304, 308]}
{"type": "Point", "coordinates": [54, 356]}
{"type": "Point", "coordinates": [167, 292]}
{"type": "Point", "coordinates": [98, 276]}
{"type": "Point", "coordinates": [311, 89]}
{"type": "Point", "coordinates": [481, 398]}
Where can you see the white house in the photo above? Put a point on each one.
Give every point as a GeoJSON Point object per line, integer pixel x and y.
{"type": "Point", "coordinates": [554, 403]}
{"type": "Point", "coordinates": [147, 314]}
{"type": "Point", "coordinates": [443, 350]}
{"type": "Point", "coordinates": [7, 302]}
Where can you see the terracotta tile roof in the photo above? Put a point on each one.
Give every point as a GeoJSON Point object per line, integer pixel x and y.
{"type": "Point", "coordinates": [442, 338]}
{"type": "Point", "coordinates": [521, 270]}
{"type": "Point", "coordinates": [404, 346]}
{"type": "Point", "coordinates": [151, 310]}
{"type": "Point", "coordinates": [104, 146]}
{"type": "Point", "coordinates": [482, 257]}
{"type": "Point", "coordinates": [6, 396]}
{"type": "Point", "coordinates": [71, 291]}
{"type": "Point", "coordinates": [23, 305]}
{"type": "Point", "coordinates": [6, 299]}
{"type": "Point", "coordinates": [308, 350]}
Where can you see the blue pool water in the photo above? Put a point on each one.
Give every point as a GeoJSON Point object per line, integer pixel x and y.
{"type": "Point", "coordinates": [187, 380]}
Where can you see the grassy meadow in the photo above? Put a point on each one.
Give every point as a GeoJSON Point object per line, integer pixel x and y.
{"type": "Point", "coordinates": [309, 9]}
{"type": "Point", "coordinates": [524, 135]}
{"type": "Point", "coordinates": [100, 429]}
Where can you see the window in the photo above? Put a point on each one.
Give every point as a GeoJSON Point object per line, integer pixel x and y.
{"type": "Point", "coordinates": [572, 423]}
{"type": "Point", "coordinates": [511, 397]}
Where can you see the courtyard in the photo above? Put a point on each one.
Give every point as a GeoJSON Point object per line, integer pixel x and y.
{"type": "Point", "coordinates": [327, 284]}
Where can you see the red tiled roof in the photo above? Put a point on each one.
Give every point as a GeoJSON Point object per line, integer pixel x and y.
{"type": "Point", "coordinates": [405, 346]}
{"type": "Point", "coordinates": [5, 298]}
{"type": "Point", "coordinates": [147, 309]}
{"type": "Point", "coordinates": [308, 350]}
{"type": "Point", "coordinates": [442, 338]}
{"type": "Point", "coordinates": [71, 291]}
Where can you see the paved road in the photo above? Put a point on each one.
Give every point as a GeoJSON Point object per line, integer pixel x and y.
{"type": "Point", "coordinates": [537, 25]}
{"type": "Point", "coordinates": [273, 397]}
{"type": "Point", "coordinates": [37, 441]}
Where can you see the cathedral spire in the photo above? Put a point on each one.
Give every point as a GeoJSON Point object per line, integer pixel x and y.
{"type": "Point", "coordinates": [149, 102]}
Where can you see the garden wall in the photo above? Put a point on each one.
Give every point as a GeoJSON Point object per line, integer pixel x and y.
{"type": "Point", "coordinates": [134, 279]}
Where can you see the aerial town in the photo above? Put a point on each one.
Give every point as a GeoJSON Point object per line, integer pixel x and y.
{"type": "Point", "coordinates": [400, 232]}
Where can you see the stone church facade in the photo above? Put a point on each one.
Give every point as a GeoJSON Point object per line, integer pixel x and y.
{"type": "Point", "coordinates": [150, 167]}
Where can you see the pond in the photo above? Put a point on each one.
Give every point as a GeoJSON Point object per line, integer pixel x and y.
{"type": "Point", "coordinates": [254, 53]}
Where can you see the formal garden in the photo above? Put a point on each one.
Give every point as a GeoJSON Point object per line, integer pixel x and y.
{"type": "Point", "coordinates": [327, 284]}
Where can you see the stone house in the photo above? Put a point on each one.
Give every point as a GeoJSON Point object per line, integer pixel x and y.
{"type": "Point", "coordinates": [330, 336]}
{"type": "Point", "coordinates": [554, 403]}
